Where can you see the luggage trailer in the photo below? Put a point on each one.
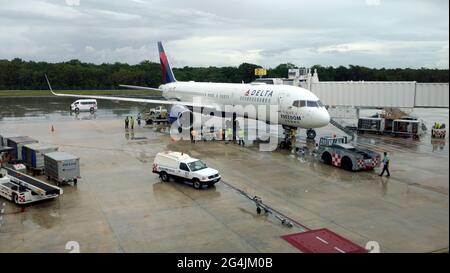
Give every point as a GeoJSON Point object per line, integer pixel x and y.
{"type": "Point", "coordinates": [406, 127]}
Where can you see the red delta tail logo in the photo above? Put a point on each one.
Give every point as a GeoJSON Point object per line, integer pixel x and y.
{"type": "Point", "coordinates": [247, 93]}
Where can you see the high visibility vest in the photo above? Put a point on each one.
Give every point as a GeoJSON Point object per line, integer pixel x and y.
{"type": "Point", "coordinates": [240, 133]}
{"type": "Point", "coordinates": [229, 132]}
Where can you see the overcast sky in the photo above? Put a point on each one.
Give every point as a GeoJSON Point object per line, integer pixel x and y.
{"type": "Point", "coordinates": [373, 33]}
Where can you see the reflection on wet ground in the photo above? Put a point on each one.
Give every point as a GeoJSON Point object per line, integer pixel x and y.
{"type": "Point", "coordinates": [55, 108]}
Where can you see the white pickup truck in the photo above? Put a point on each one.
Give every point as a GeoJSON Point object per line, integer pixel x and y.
{"type": "Point", "coordinates": [182, 166]}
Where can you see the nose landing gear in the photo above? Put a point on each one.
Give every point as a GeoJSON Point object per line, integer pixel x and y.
{"type": "Point", "coordinates": [311, 134]}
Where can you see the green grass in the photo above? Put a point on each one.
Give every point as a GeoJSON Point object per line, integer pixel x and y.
{"type": "Point", "coordinates": [37, 93]}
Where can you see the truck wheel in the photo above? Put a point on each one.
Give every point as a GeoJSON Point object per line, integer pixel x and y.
{"type": "Point", "coordinates": [75, 181]}
{"type": "Point", "coordinates": [326, 157]}
{"type": "Point", "coordinates": [197, 184]}
{"type": "Point", "coordinates": [164, 176]}
{"type": "Point", "coordinates": [347, 164]}
{"type": "Point", "coordinates": [77, 110]}
{"type": "Point", "coordinates": [15, 198]}
{"type": "Point", "coordinates": [92, 110]}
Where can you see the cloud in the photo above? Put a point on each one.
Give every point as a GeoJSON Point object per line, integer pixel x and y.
{"type": "Point", "coordinates": [377, 33]}
{"type": "Point", "coordinates": [373, 2]}
{"type": "Point", "coordinates": [73, 2]}
{"type": "Point", "coordinates": [89, 49]}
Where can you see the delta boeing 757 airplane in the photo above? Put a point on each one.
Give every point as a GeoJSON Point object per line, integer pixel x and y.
{"type": "Point", "coordinates": [296, 106]}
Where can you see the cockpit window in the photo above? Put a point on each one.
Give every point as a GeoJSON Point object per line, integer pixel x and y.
{"type": "Point", "coordinates": [299, 103]}
{"type": "Point", "coordinates": [311, 103]}
{"type": "Point", "coordinates": [308, 103]}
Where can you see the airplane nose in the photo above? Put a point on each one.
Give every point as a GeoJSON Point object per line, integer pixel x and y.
{"type": "Point", "coordinates": [324, 117]}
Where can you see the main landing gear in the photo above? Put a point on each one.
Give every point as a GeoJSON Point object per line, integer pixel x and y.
{"type": "Point", "coordinates": [290, 134]}
{"type": "Point", "coordinates": [290, 137]}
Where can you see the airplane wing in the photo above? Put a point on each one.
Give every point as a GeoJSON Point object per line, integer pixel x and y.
{"type": "Point", "coordinates": [139, 87]}
{"type": "Point", "coordinates": [166, 102]}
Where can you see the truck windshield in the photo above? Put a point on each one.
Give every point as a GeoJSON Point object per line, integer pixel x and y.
{"type": "Point", "coordinates": [196, 165]}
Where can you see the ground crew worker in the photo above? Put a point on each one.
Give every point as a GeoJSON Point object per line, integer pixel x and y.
{"type": "Point", "coordinates": [132, 122]}
{"type": "Point", "coordinates": [193, 135]}
{"type": "Point", "coordinates": [139, 119]}
{"type": "Point", "coordinates": [240, 135]}
{"type": "Point", "coordinates": [126, 122]}
{"type": "Point", "coordinates": [385, 165]}
{"type": "Point", "coordinates": [228, 135]}
{"type": "Point", "coordinates": [220, 134]}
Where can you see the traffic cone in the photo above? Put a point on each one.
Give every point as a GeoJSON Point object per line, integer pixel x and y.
{"type": "Point", "coordinates": [53, 129]}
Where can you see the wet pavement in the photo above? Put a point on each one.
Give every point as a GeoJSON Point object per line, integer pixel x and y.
{"type": "Point", "coordinates": [121, 206]}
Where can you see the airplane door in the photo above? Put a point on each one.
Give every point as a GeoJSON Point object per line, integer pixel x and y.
{"type": "Point", "coordinates": [283, 100]}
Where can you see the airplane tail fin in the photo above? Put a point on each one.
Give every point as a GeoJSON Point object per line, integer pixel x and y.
{"type": "Point", "coordinates": [167, 73]}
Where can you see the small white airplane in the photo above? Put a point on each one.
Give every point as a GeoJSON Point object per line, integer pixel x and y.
{"type": "Point", "coordinates": [297, 107]}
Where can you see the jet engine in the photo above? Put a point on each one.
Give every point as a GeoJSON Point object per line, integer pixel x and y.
{"type": "Point", "coordinates": [181, 116]}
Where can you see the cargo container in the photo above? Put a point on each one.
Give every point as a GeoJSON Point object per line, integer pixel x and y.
{"type": "Point", "coordinates": [17, 143]}
{"type": "Point", "coordinates": [62, 167]}
{"type": "Point", "coordinates": [33, 155]}
{"type": "Point", "coordinates": [4, 138]}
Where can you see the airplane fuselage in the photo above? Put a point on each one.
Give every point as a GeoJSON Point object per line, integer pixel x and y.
{"type": "Point", "coordinates": [297, 107]}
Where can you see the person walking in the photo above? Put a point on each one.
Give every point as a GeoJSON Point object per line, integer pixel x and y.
{"type": "Point", "coordinates": [385, 165]}
{"type": "Point", "coordinates": [139, 119]}
{"type": "Point", "coordinates": [126, 122]}
{"type": "Point", "coordinates": [240, 135]}
{"type": "Point", "coordinates": [132, 122]}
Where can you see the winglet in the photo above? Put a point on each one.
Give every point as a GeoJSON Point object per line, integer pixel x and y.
{"type": "Point", "coordinates": [49, 85]}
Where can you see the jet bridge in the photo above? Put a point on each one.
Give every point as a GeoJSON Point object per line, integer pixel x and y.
{"type": "Point", "coordinates": [363, 94]}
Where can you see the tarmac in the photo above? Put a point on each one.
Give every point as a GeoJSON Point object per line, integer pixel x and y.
{"type": "Point", "coordinates": [119, 205]}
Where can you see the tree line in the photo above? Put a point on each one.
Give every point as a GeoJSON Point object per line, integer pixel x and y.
{"type": "Point", "coordinates": [18, 74]}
